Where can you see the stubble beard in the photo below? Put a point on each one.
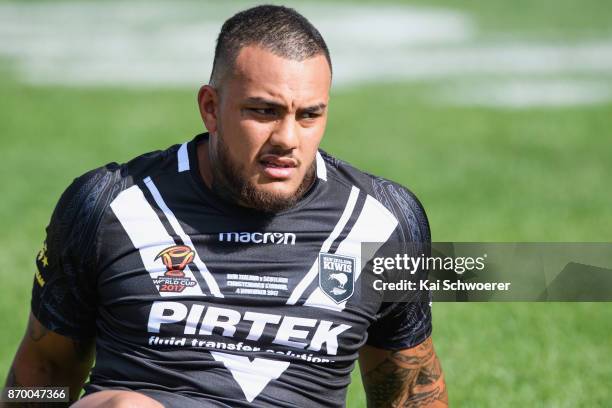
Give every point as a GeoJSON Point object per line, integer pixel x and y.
{"type": "Point", "coordinates": [231, 185]}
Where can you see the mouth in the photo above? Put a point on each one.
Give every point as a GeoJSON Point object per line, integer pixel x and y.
{"type": "Point", "coordinates": [277, 167]}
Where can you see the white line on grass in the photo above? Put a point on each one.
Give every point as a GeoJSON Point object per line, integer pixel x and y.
{"type": "Point", "coordinates": [171, 44]}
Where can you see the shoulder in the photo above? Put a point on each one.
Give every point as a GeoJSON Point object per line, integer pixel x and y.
{"type": "Point", "coordinates": [406, 207]}
{"type": "Point", "coordinates": [154, 164]}
{"type": "Point", "coordinates": [82, 205]}
{"type": "Point", "coordinates": [399, 200]}
{"type": "Point", "coordinates": [107, 181]}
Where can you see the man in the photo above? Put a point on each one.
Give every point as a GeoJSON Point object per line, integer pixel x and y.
{"type": "Point", "coordinates": [225, 271]}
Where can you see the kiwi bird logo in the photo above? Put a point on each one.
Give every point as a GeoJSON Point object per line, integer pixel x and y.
{"type": "Point", "coordinates": [336, 276]}
{"type": "Point", "coordinates": [339, 277]}
{"type": "Point", "coordinates": [176, 258]}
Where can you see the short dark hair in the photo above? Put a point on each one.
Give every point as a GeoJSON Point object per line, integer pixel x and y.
{"type": "Point", "coordinates": [280, 30]}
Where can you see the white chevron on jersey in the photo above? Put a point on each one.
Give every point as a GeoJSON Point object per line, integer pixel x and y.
{"type": "Point", "coordinates": [148, 235]}
{"type": "Point", "coordinates": [314, 269]}
{"type": "Point", "coordinates": [183, 158]}
{"type": "Point", "coordinates": [210, 280]}
{"type": "Point", "coordinates": [321, 169]}
{"type": "Point", "coordinates": [251, 376]}
{"type": "Point", "coordinates": [375, 224]}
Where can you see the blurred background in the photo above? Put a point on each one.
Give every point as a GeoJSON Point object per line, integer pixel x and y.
{"type": "Point", "coordinates": [497, 114]}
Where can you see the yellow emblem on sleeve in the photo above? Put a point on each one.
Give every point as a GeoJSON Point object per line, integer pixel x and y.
{"type": "Point", "coordinates": [42, 257]}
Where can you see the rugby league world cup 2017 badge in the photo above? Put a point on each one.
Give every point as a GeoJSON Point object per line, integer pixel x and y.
{"type": "Point", "coordinates": [337, 276]}
{"type": "Point", "coordinates": [175, 258]}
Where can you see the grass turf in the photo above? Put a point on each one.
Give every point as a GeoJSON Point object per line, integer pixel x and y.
{"type": "Point", "coordinates": [482, 175]}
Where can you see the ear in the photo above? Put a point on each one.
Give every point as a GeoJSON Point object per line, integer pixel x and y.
{"type": "Point", "coordinates": [208, 102]}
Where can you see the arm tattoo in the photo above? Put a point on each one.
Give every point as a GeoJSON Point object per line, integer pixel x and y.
{"type": "Point", "coordinates": [407, 379]}
{"type": "Point", "coordinates": [83, 353]}
{"type": "Point", "coordinates": [82, 348]}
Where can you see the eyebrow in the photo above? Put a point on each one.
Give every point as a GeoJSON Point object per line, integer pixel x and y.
{"type": "Point", "coordinates": [315, 108]}
{"type": "Point", "coordinates": [275, 104]}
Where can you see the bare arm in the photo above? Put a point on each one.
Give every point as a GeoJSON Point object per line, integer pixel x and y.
{"type": "Point", "coordinates": [45, 358]}
{"type": "Point", "coordinates": [406, 378]}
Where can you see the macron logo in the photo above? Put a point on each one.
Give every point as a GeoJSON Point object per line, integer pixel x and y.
{"type": "Point", "coordinates": [278, 238]}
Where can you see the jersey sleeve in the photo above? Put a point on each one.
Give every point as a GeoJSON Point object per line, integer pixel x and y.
{"type": "Point", "coordinates": [63, 293]}
{"type": "Point", "coordinates": [401, 325]}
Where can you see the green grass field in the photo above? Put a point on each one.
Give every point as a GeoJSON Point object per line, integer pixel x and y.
{"type": "Point", "coordinates": [482, 173]}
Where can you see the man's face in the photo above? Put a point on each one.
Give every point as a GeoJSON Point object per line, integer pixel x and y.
{"type": "Point", "coordinates": [268, 121]}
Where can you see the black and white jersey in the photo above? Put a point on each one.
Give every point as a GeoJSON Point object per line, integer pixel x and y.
{"type": "Point", "coordinates": [195, 301]}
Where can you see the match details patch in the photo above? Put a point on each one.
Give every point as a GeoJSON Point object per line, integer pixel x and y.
{"type": "Point", "coordinates": [337, 276]}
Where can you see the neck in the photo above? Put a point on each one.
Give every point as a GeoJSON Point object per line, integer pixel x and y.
{"type": "Point", "coordinates": [206, 162]}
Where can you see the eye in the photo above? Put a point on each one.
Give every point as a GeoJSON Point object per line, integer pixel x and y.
{"type": "Point", "coordinates": [263, 111]}
{"type": "Point", "coordinates": [309, 115]}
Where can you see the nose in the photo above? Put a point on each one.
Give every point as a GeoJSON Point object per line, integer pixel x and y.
{"type": "Point", "coordinates": [285, 135]}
